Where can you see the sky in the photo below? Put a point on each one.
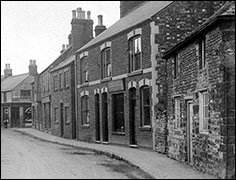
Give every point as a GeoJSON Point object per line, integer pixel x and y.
{"type": "Point", "coordinates": [37, 29]}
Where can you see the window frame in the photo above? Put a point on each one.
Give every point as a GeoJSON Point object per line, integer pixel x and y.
{"type": "Point", "coordinates": [106, 70]}
{"type": "Point", "coordinates": [143, 106]}
{"type": "Point", "coordinates": [132, 53]}
{"type": "Point", "coordinates": [202, 52]}
{"type": "Point", "coordinates": [66, 109]}
{"type": "Point", "coordinates": [61, 81]}
{"type": "Point", "coordinates": [115, 114]}
{"type": "Point", "coordinates": [177, 112]}
{"type": "Point", "coordinates": [55, 82]}
{"type": "Point", "coordinates": [85, 112]}
{"type": "Point", "coordinates": [203, 119]}
{"type": "Point", "coordinates": [84, 70]}
{"type": "Point", "coordinates": [25, 90]}
{"type": "Point", "coordinates": [56, 114]}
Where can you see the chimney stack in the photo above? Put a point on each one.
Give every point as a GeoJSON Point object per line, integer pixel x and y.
{"type": "Point", "coordinates": [7, 71]}
{"type": "Point", "coordinates": [100, 27]}
{"type": "Point", "coordinates": [33, 67]}
{"type": "Point", "coordinates": [63, 48]}
{"type": "Point", "coordinates": [79, 37]}
{"type": "Point", "coordinates": [73, 14]}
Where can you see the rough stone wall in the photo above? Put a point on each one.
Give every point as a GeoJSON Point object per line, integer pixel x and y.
{"type": "Point", "coordinates": [175, 23]}
{"type": "Point", "coordinates": [210, 150]}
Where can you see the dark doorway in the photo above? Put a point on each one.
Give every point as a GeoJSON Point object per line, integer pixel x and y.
{"type": "Point", "coordinates": [97, 118]}
{"type": "Point", "coordinates": [62, 120]}
{"type": "Point", "coordinates": [15, 117]}
{"type": "Point", "coordinates": [104, 117]}
{"type": "Point", "coordinates": [132, 110]}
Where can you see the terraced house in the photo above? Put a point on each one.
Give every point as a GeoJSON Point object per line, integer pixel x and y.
{"type": "Point", "coordinates": [120, 77]}
{"type": "Point", "coordinates": [201, 96]}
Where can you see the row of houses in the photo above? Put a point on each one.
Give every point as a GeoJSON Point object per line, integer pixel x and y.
{"type": "Point", "coordinates": [161, 77]}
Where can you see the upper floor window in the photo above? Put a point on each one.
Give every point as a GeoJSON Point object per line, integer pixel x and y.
{"type": "Point", "coordinates": [145, 106]}
{"type": "Point", "coordinates": [61, 80]}
{"type": "Point", "coordinates": [66, 79]}
{"type": "Point", "coordinates": [84, 69]}
{"type": "Point", "coordinates": [55, 82]}
{"type": "Point", "coordinates": [106, 63]}
{"type": "Point", "coordinates": [177, 112]}
{"type": "Point", "coordinates": [85, 110]}
{"type": "Point", "coordinates": [134, 53]}
{"type": "Point", "coordinates": [176, 69]}
{"type": "Point", "coordinates": [203, 110]}
{"type": "Point", "coordinates": [25, 93]}
{"type": "Point", "coordinates": [202, 53]}
{"type": "Point", "coordinates": [4, 97]}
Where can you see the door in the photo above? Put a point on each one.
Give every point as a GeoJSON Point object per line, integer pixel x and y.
{"type": "Point", "coordinates": [104, 117]}
{"type": "Point", "coordinates": [189, 131]}
{"type": "Point", "coordinates": [132, 110]}
{"type": "Point", "coordinates": [97, 118]}
{"type": "Point", "coordinates": [15, 117]}
{"type": "Point", "coordinates": [62, 120]}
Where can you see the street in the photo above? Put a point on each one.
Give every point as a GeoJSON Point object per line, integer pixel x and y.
{"type": "Point", "coordinates": [24, 157]}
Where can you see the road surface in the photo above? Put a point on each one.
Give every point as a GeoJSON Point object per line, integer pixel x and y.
{"type": "Point", "coordinates": [23, 157]}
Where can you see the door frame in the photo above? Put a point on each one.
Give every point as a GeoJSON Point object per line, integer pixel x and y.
{"type": "Point", "coordinates": [105, 131]}
{"type": "Point", "coordinates": [132, 117]}
{"type": "Point", "coordinates": [97, 118]}
{"type": "Point", "coordinates": [189, 131]}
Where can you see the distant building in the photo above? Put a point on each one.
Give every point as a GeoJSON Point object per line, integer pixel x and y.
{"type": "Point", "coordinates": [16, 96]}
{"type": "Point", "coordinates": [200, 128]}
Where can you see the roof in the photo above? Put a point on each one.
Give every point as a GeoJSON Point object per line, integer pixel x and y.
{"type": "Point", "coordinates": [66, 59]}
{"type": "Point", "coordinates": [60, 58]}
{"type": "Point", "coordinates": [64, 63]}
{"type": "Point", "coordinates": [227, 10]}
{"type": "Point", "coordinates": [11, 82]}
{"type": "Point", "coordinates": [133, 18]}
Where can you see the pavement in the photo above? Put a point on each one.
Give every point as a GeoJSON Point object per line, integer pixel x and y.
{"type": "Point", "coordinates": [159, 166]}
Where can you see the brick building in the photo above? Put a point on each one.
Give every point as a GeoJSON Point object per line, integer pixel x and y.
{"type": "Point", "coordinates": [201, 96]}
{"type": "Point", "coordinates": [16, 96]}
{"type": "Point", "coordinates": [53, 103]}
{"type": "Point", "coordinates": [119, 81]}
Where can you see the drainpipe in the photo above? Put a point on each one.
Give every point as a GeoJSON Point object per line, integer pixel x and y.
{"type": "Point", "coordinates": [154, 51]}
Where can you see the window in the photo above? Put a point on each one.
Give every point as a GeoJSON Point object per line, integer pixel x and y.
{"type": "Point", "coordinates": [67, 120]}
{"type": "Point", "coordinates": [177, 112]}
{"type": "Point", "coordinates": [202, 53]}
{"type": "Point", "coordinates": [4, 97]}
{"type": "Point", "coordinates": [106, 63]}
{"type": "Point", "coordinates": [118, 112]}
{"type": "Point", "coordinates": [55, 82]}
{"type": "Point", "coordinates": [61, 80]}
{"type": "Point", "coordinates": [84, 70]}
{"type": "Point", "coordinates": [145, 106]}
{"type": "Point", "coordinates": [56, 115]}
{"type": "Point", "coordinates": [176, 66]}
{"type": "Point", "coordinates": [204, 112]}
{"type": "Point", "coordinates": [25, 93]}
{"type": "Point", "coordinates": [85, 110]}
{"type": "Point", "coordinates": [66, 79]}
{"type": "Point", "coordinates": [135, 54]}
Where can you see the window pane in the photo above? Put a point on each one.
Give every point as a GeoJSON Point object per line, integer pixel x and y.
{"type": "Point", "coordinates": [108, 56]}
{"type": "Point", "coordinates": [146, 99]}
{"type": "Point", "coordinates": [118, 112]}
{"type": "Point", "coordinates": [147, 120]}
{"type": "Point", "coordinates": [205, 124]}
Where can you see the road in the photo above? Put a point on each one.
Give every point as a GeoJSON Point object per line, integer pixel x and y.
{"type": "Point", "coordinates": [24, 157]}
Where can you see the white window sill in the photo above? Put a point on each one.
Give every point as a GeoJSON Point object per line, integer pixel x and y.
{"type": "Point", "coordinates": [137, 72]}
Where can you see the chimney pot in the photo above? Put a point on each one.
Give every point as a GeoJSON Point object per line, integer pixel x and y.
{"type": "Point", "coordinates": [63, 47]}
{"type": "Point", "coordinates": [6, 66]}
{"type": "Point", "coordinates": [79, 12]}
{"type": "Point", "coordinates": [82, 14]}
{"type": "Point", "coordinates": [88, 15]}
{"type": "Point", "coordinates": [100, 20]}
{"type": "Point", "coordinates": [73, 14]}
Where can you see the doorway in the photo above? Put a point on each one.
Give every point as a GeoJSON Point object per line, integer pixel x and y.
{"type": "Point", "coordinates": [189, 131]}
{"type": "Point", "coordinates": [15, 117]}
{"type": "Point", "coordinates": [97, 118]}
{"type": "Point", "coordinates": [104, 117]}
{"type": "Point", "coordinates": [62, 120]}
{"type": "Point", "coordinates": [132, 112]}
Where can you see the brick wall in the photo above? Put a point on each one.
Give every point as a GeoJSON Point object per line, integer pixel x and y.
{"type": "Point", "coordinates": [209, 149]}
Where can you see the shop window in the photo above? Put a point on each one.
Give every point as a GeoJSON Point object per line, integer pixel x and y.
{"type": "Point", "coordinates": [118, 112]}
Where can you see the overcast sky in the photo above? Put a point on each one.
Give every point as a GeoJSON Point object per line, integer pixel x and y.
{"type": "Point", "coordinates": [37, 29]}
